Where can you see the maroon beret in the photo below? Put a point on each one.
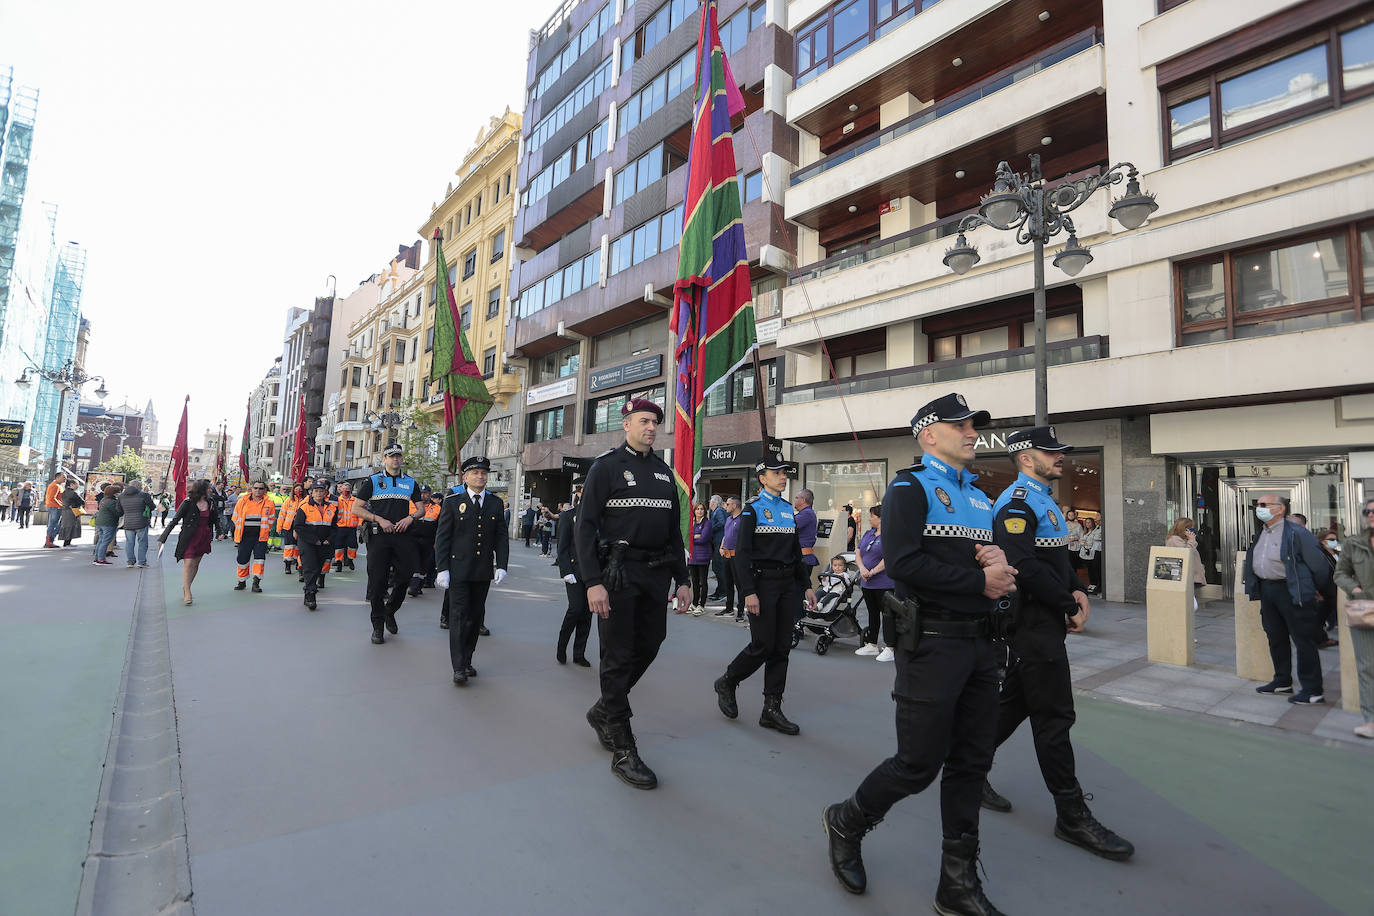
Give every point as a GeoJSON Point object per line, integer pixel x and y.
{"type": "Point", "coordinates": [637, 404]}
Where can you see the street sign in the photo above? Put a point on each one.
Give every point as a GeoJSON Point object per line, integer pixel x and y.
{"type": "Point", "coordinates": [11, 432]}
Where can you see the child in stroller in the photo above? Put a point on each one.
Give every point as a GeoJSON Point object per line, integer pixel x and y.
{"type": "Point", "coordinates": [837, 602]}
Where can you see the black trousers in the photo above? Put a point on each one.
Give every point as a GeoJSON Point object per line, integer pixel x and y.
{"type": "Point", "coordinates": [24, 516]}
{"type": "Point", "coordinates": [718, 565]}
{"type": "Point", "coordinates": [873, 603]}
{"type": "Point", "coordinates": [388, 555]}
{"type": "Point", "coordinates": [631, 635]}
{"type": "Point", "coordinates": [467, 611]}
{"type": "Point", "coordinates": [1284, 621]}
{"type": "Point", "coordinates": [1041, 689]}
{"type": "Point", "coordinates": [727, 585]}
{"type": "Point", "coordinates": [770, 633]}
{"type": "Point", "coordinates": [697, 575]}
{"type": "Point", "coordinates": [577, 622]}
{"type": "Point", "coordinates": [315, 559]}
{"type": "Point", "coordinates": [946, 693]}
{"type": "Point", "coordinates": [424, 560]}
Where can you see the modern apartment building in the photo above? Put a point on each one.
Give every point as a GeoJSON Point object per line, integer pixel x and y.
{"type": "Point", "coordinates": [1217, 353]}
{"type": "Point", "coordinates": [602, 178]}
{"type": "Point", "coordinates": [262, 424]}
{"type": "Point", "coordinates": [294, 373]}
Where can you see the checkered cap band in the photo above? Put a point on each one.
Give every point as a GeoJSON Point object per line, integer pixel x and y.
{"type": "Point", "coordinates": [959, 531]}
{"type": "Point", "coordinates": [1020, 446]}
{"type": "Point", "coordinates": [925, 421]}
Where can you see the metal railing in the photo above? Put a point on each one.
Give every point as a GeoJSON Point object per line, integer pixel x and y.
{"type": "Point", "coordinates": [945, 226]}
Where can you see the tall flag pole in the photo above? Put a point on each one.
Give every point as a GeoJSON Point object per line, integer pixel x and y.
{"type": "Point", "coordinates": [466, 399]}
{"type": "Point", "coordinates": [221, 455]}
{"type": "Point", "coordinates": [181, 455]}
{"type": "Point", "coordinates": [300, 458]}
{"type": "Point", "coordinates": [243, 446]}
{"type": "Point", "coordinates": [713, 308]}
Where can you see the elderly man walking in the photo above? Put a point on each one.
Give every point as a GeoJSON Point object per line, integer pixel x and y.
{"type": "Point", "coordinates": [1284, 570]}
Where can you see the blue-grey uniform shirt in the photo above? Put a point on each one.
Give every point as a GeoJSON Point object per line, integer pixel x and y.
{"type": "Point", "coordinates": [767, 537]}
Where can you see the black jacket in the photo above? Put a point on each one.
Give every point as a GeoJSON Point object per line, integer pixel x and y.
{"type": "Point", "coordinates": [471, 543]}
{"type": "Point", "coordinates": [567, 550]}
{"type": "Point", "coordinates": [189, 517]}
{"type": "Point", "coordinates": [629, 495]}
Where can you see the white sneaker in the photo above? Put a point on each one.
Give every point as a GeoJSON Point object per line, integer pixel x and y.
{"type": "Point", "coordinates": [885, 655]}
{"type": "Point", "coordinates": [866, 649]}
{"type": "Point", "coordinates": [698, 610]}
{"type": "Point", "coordinates": [1366, 730]}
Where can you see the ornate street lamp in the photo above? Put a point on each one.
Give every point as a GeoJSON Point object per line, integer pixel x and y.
{"type": "Point", "coordinates": [68, 378]}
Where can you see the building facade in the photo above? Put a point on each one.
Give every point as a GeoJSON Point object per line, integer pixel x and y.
{"type": "Point", "coordinates": [1216, 353]}
{"type": "Point", "coordinates": [294, 373]}
{"type": "Point", "coordinates": [608, 117]}
{"type": "Point", "coordinates": [103, 432]}
{"type": "Point", "coordinates": [262, 424]}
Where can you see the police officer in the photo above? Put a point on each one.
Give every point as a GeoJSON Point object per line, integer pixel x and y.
{"type": "Point", "coordinates": [471, 551]}
{"type": "Point", "coordinates": [384, 501]}
{"type": "Point", "coordinates": [628, 538]}
{"type": "Point", "coordinates": [1034, 535]}
{"type": "Point", "coordinates": [937, 533]}
{"type": "Point", "coordinates": [314, 536]}
{"type": "Point", "coordinates": [577, 621]}
{"type": "Point", "coordinates": [772, 576]}
{"type": "Point", "coordinates": [424, 530]}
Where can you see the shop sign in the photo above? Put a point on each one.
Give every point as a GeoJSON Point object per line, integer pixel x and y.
{"type": "Point", "coordinates": [559, 389]}
{"type": "Point", "coordinates": [724, 456]}
{"type": "Point", "coordinates": [578, 467]}
{"type": "Point", "coordinates": [11, 432]}
{"type": "Point", "coordinates": [992, 440]}
{"type": "Point", "coordinates": [637, 371]}
{"type": "Point", "coordinates": [767, 331]}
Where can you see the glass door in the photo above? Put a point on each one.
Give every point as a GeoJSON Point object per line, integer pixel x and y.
{"type": "Point", "coordinates": [1237, 514]}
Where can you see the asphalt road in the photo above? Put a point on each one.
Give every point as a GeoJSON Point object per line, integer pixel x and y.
{"type": "Point", "coordinates": [323, 774]}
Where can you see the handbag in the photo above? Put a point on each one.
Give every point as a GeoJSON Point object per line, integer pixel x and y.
{"type": "Point", "coordinates": [1359, 615]}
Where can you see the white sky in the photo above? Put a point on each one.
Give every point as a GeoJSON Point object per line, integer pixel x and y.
{"type": "Point", "coordinates": [219, 162]}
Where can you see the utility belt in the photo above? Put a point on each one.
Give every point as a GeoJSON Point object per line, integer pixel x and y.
{"type": "Point", "coordinates": [374, 529]}
{"type": "Point", "coordinates": [614, 555]}
{"type": "Point", "coordinates": [773, 572]}
{"type": "Point", "coordinates": [911, 621]}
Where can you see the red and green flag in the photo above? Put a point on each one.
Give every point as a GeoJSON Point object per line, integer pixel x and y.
{"type": "Point", "coordinates": [466, 399]}
{"type": "Point", "coordinates": [713, 307]}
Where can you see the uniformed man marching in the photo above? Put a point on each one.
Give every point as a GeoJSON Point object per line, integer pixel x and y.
{"type": "Point", "coordinates": [1030, 530]}
{"type": "Point", "coordinates": [471, 552]}
{"type": "Point", "coordinates": [314, 530]}
{"type": "Point", "coordinates": [937, 532]}
{"type": "Point", "coordinates": [629, 550]}
{"type": "Point", "coordinates": [346, 532]}
{"type": "Point", "coordinates": [424, 530]}
{"type": "Point", "coordinates": [772, 575]}
{"type": "Point", "coordinates": [253, 516]}
{"type": "Point", "coordinates": [384, 501]}
{"type": "Point", "coordinates": [577, 620]}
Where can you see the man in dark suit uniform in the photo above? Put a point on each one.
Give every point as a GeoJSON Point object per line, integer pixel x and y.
{"type": "Point", "coordinates": [471, 551]}
{"type": "Point", "coordinates": [578, 619]}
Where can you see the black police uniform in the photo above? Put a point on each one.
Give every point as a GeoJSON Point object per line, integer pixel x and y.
{"type": "Point", "coordinates": [577, 622]}
{"type": "Point", "coordinates": [471, 543]}
{"type": "Point", "coordinates": [629, 496]}
{"type": "Point", "coordinates": [390, 556]}
{"type": "Point", "coordinates": [424, 529]}
{"type": "Point", "coordinates": [315, 528]}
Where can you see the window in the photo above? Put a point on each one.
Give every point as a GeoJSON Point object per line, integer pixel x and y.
{"type": "Point", "coordinates": [738, 393]}
{"type": "Point", "coordinates": [1290, 285]}
{"type": "Point", "coordinates": [585, 93]}
{"type": "Point", "coordinates": [597, 26]}
{"type": "Point", "coordinates": [493, 302]}
{"type": "Point", "coordinates": [753, 186]}
{"type": "Point", "coordinates": [465, 315]}
{"type": "Point", "coordinates": [479, 205]}
{"type": "Point", "coordinates": [546, 425]}
{"type": "Point", "coordinates": [469, 263]}
{"type": "Point", "coordinates": [586, 271]}
{"type": "Point", "coordinates": [846, 27]}
{"type": "Point", "coordinates": [661, 233]}
{"type": "Point", "coordinates": [489, 363]}
{"type": "Point", "coordinates": [353, 411]}
{"type": "Point", "coordinates": [997, 327]}
{"type": "Point", "coordinates": [498, 246]}
{"type": "Point", "coordinates": [1206, 109]}
{"type": "Point", "coordinates": [400, 351]}
{"type": "Point", "coordinates": [349, 452]}
{"type": "Point", "coordinates": [846, 484]}
{"type": "Point", "coordinates": [603, 414]}
{"type": "Point", "coordinates": [357, 376]}
{"type": "Point", "coordinates": [395, 392]}
{"type": "Point", "coordinates": [553, 366]}
{"type": "Point", "coordinates": [655, 28]}
{"type": "Point", "coordinates": [499, 436]}
{"type": "Point", "coordinates": [678, 77]}
{"type": "Point", "coordinates": [386, 352]}
{"type": "Point", "coordinates": [644, 171]}
{"type": "Point", "coordinates": [429, 340]}
{"type": "Point", "coordinates": [627, 343]}
{"type": "Point", "coordinates": [768, 296]}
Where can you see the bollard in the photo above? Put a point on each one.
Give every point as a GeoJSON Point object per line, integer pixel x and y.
{"type": "Point", "coordinates": [1169, 606]}
{"type": "Point", "coordinates": [1252, 646]}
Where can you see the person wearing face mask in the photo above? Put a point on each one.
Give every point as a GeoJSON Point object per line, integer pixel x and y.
{"type": "Point", "coordinates": [1184, 535]}
{"type": "Point", "coordinates": [1326, 614]}
{"type": "Point", "coordinates": [1285, 569]}
{"type": "Point", "coordinates": [1355, 576]}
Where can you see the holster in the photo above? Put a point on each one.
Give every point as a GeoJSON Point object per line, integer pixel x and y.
{"type": "Point", "coordinates": [612, 557]}
{"type": "Point", "coordinates": [905, 614]}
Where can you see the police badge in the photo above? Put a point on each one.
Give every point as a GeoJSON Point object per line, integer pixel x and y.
{"type": "Point", "coordinates": [1054, 519]}
{"type": "Point", "coordinates": [462, 507]}
{"type": "Point", "coordinates": [629, 479]}
{"type": "Point", "coordinates": [767, 515]}
{"type": "Point", "coordinates": [944, 499]}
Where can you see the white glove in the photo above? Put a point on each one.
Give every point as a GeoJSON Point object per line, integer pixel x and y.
{"type": "Point", "coordinates": [499, 577]}
{"type": "Point", "coordinates": [441, 579]}
{"type": "Point", "coordinates": [570, 579]}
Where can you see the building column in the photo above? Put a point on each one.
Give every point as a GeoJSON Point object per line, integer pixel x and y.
{"type": "Point", "coordinates": [904, 213]}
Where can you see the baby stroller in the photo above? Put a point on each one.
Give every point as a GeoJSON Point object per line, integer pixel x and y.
{"type": "Point", "coordinates": [837, 606]}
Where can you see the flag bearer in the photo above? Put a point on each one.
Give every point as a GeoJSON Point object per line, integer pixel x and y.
{"type": "Point", "coordinates": [385, 502]}
{"type": "Point", "coordinates": [346, 529]}
{"type": "Point", "coordinates": [314, 528]}
{"type": "Point", "coordinates": [254, 514]}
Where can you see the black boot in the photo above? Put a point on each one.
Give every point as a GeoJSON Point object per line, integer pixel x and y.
{"type": "Point", "coordinates": [443, 622]}
{"type": "Point", "coordinates": [960, 892]}
{"type": "Point", "coordinates": [725, 697]}
{"type": "Point", "coordinates": [338, 565]}
{"type": "Point", "coordinates": [310, 602]}
{"type": "Point", "coordinates": [377, 637]}
{"type": "Point", "coordinates": [242, 584]}
{"type": "Point", "coordinates": [560, 654]}
{"type": "Point", "coordinates": [391, 623]}
{"type": "Point", "coordinates": [1076, 824]}
{"type": "Point", "coordinates": [287, 564]}
{"type": "Point", "coordinates": [772, 717]}
{"type": "Point", "coordinates": [993, 801]}
{"type": "Point", "coordinates": [257, 584]}
{"type": "Point", "coordinates": [596, 718]}
{"type": "Point", "coordinates": [845, 825]}
{"type": "Point", "coordinates": [349, 563]}
{"type": "Point", "coordinates": [625, 761]}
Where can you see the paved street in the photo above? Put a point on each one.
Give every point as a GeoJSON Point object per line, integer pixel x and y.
{"type": "Point", "coordinates": [322, 774]}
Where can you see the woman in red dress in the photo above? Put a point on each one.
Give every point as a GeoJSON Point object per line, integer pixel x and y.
{"type": "Point", "coordinates": [197, 532]}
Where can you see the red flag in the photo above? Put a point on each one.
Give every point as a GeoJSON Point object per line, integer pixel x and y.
{"type": "Point", "coordinates": [300, 459]}
{"type": "Point", "coordinates": [181, 456]}
{"type": "Point", "coordinates": [243, 446]}
{"type": "Point", "coordinates": [221, 456]}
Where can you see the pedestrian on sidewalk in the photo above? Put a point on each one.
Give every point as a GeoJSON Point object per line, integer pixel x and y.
{"type": "Point", "coordinates": [5, 493]}
{"type": "Point", "coordinates": [25, 503]}
{"type": "Point", "coordinates": [472, 552]}
{"type": "Point", "coordinates": [1038, 685]}
{"type": "Point", "coordinates": [136, 514]}
{"type": "Point", "coordinates": [226, 522]}
{"type": "Point", "coordinates": [106, 523]}
{"type": "Point", "coordinates": [1330, 542]}
{"type": "Point", "coordinates": [73, 507]}
{"type": "Point", "coordinates": [16, 501]}
{"type": "Point", "coordinates": [527, 524]}
{"type": "Point", "coordinates": [699, 563]}
{"type": "Point", "coordinates": [729, 542]}
{"type": "Point", "coordinates": [1183, 535]}
{"type": "Point", "coordinates": [776, 585]}
{"type": "Point", "coordinates": [577, 621]}
{"type": "Point", "coordinates": [52, 502]}
{"type": "Point", "coordinates": [314, 538]}
{"type": "Point", "coordinates": [718, 563]}
{"type": "Point", "coordinates": [546, 526]}
{"type": "Point", "coordinates": [877, 585]}
{"type": "Point", "coordinates": [196, 515]}
{"type": "Point", "coordinates": [254, 514]}
{"type": "Point", "coordinates": [164, 507]}
{"type": "Point", "coordinates": [1355, 576]}
{"type": "Point", "coordinates": [806, 529]}
{"type": "Point", "coordinates": [1090, 552]}
{"type": "Point", "coordinates": [1284, 570]}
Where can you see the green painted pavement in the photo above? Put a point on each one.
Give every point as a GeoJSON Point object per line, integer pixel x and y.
{"type": "Point", "coordinates": [1300, 807]}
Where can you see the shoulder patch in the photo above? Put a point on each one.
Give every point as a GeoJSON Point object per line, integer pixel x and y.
{"type": "Point", "coordinates": [1019, 493]}
{"type": "Point", "coordinates": [901, 483]}
{"type": "Point", "coordinates": [1015, 525]}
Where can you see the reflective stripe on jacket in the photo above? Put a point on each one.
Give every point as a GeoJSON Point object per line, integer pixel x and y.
{"type": "Point", "coordinates": [250, 512]}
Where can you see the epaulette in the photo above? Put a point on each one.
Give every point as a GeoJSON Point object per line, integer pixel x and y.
{"type": "Point", "coordinates": [1019, 493]}
{"type": "Point", "coordinates": [608, 451]}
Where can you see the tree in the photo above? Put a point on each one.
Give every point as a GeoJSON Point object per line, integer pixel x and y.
{"type": "Point", "coordinates": [421, 435]}
{"type": "Point", "coordinates": [127, 462]}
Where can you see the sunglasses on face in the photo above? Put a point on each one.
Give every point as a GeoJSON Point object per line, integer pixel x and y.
{"type": "Point", "coordinates": [1367, 511]}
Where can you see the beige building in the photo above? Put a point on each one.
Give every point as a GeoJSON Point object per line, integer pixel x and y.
{"type": "Point", "coordinates": [1218, 352]}
{"type": "Point", "coordinates": [476, 217]}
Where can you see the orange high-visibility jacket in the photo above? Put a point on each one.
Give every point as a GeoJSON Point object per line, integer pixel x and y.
{"type": "Point", "coordinates": [432, 511]}
{"type": "Point", "coordinates": [249, 511]}
{"type": "Point", "coordinates": [288, 512]}
{"type": "Point", "coordinates": [346, 518]}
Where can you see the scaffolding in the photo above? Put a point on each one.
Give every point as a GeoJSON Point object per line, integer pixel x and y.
{"type": "Point", "coordinates": [20, 109]}
{"type": "Point", "coordinates": [64, 320]}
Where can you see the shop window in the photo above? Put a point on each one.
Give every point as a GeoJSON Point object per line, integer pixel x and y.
{"type": "Point", "coordinates": [840, 483]}
{"type": "Point", "coordinates": [603, 414]}
{"type": "Point", "coordinates": [546, 425]}
{"type": "Point", "coordinates": [1290, 285]}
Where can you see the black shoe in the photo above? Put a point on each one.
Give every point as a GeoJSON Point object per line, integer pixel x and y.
{"type": "Point", "coordinates": [727, 612]}
{"type": "Point", "coordinates": [338, 566]}
{"type": "Point", "coordinates": [300, 577]}
{"type": "Point", "coordinates": [242, 584]}
{"type": "Point", "coordinates": [377, 637]}
{"type": "Point", "coordinates": [460, 678]}
{"type": "Point", "coordinates": [287, 564]}
{"type": "Point", "coordinates": [349, 564]}
{"type": "Point", "coordinates": [257, 587]}
{"type": "Point", "coordinates": [625, 762]}
{"type": "Point", "coordinates": [391, 623]}
{"type": "Point", "coordinates": [715, 597]}
{"type": "Point", "coordinates": [596, 718]}
{"type": "Point", "coordinates": [469, 671]}
{"type": "Point", "coordinates": [310, 602]}
{"type": "Point", "coordinates": [992, 801]}
{"type": "Point", "coordinates": [1076, 824]}
{"type": "Point", "coordinates": [1275, 686]}
{"type": "Point", "coordinates": [772, 717]}
{"type": "Point", "coordinates": [1306, 697]}
{"type": "Point", "coordinates": [581, 662]}
{"type": "Point", "coordinates": [960, 893]}
{"type": "Point", "coordinates": [483, 631]}
{"type": "Point", "coordinates": [321, 582]}
{"type": "Point", "coordinates": [845, 825]}
{"type": "Point", "coordinates": [443, 623]}
{"type": "Point", "coordinates": [413, 591]}
{"type": "Point", "coordinates": [561, 655]}
{"type": "Point", "coordinates": [725, 697]}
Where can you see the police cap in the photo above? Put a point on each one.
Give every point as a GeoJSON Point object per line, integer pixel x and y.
{"type": "Point", "coordinates": [424, 488]}
{"type": "Point", "coordinates": [1038, 437]}
{"type": "Point", "coordinates": [951, 408]}
{"type": "Point", "coordinates": [393, 449]}
{"type": "Point", "coordinates": [634, 405]}
{"type": "Point", "coordinates": [476, 463]}
{"type": "Point", "coordinates": [321, 484]}
{"type": "Point", "coordinates": [774, 462]}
